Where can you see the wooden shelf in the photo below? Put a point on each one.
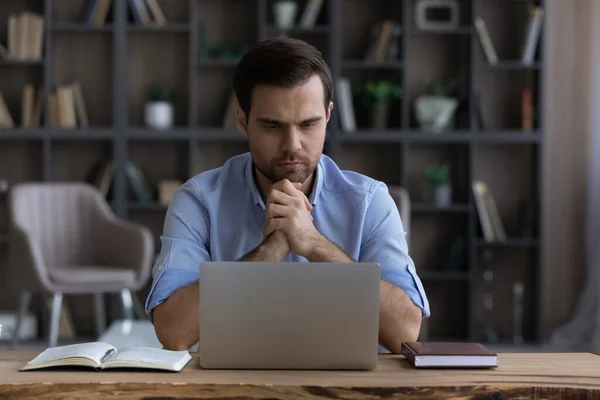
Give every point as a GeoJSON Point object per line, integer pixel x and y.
{"type": "Point", "coordinates": [510, 242]}
{"type": "Point", "coordinates": [432, 208]}
{"type": "Point", "coordinates": [227, 63]}
{"type": "Point", "coordinates": [363, 64]}
{"type": "Point", "coordinates": [463, 30]}
{"type": "Point", "coordinates": [512, 65]}
{"type": "Point", "coordinates": [21, 63]}
{"type": "Point", "coordinates": [296, 30]}
{"type": "Point", "coordinates": [209, 134]}
{"type": "Point", "coordinates": [80, 28]}
{"type": "Point", "coordinates": [397, 136]}
{"type": "Point", "coordinates": [444, 275]}
{"type": "Point", "coordinates": [170, 28]}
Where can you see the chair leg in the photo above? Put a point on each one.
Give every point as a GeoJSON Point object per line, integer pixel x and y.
{"type": "Point", "coordinates": [23, 308]}
{"type": "Point", "coordinates": [99, 313]}
{"type": "Point", "coordinates": [138, 307]}
{"type": "Point", "coordinates": [55, 319]}
{"type": "Point", "coordinates": [127, 304]}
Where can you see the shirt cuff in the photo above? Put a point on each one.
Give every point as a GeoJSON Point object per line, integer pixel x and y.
{"type": "Point", "coordinates": [168, 281]}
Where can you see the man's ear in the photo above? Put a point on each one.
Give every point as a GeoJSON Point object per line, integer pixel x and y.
{"type": "Point", "coordinates": [329, 109]}
{"type": "Point", "coordinates": [242, 122]}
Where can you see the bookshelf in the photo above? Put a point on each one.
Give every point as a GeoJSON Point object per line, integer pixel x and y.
{"type": "Point", "coordinates": [116, 64]}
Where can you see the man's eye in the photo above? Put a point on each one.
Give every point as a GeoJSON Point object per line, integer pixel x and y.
{"type": "Point", "coordinates": [308, 125]}
{"type": "Point", "coordinates": [271, 127]}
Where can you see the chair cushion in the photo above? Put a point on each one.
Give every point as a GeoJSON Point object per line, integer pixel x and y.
{"type": "Point", "coordinates": [90, 274]}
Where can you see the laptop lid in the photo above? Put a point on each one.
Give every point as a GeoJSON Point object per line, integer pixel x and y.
{"type": "Point", "coordinates": [257, 315]}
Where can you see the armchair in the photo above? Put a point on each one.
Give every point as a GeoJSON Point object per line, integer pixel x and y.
{"type": "Point", "coordinates": [65, 239]}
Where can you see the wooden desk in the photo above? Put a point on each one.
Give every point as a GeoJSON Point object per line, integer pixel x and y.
{"type": "Point", "coordinates": [518, 375]}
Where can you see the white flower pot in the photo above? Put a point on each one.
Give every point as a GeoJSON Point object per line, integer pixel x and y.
{"type": "Point", "coordinates": [435, 113]}
{"type": "Point", "coordinates": [285, 13]}
{"type": "Point", "coordinates": [442, 195]}
{"type": "Point", "coordinates": [159, 115]}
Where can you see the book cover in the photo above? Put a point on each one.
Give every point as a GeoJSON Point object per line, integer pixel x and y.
{"type": "Point", "coordinates": [448, 354]}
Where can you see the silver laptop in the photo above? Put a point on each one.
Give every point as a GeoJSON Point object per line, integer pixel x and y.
{"type": "Point", "coordinates": [257, 315]}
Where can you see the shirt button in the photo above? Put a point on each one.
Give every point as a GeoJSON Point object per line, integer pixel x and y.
{"type": "Point", "coordinates": [161, 268]}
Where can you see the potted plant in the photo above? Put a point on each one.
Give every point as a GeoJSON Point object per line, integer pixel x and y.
{"type": "Point", "coordinates": [438, 179]}
{"type": "Point", "coordinates": [378, 95]}
{"type": "Point", "coordinates": [435, 109]}
{"type": "Point", "coordinates": [159, 109]}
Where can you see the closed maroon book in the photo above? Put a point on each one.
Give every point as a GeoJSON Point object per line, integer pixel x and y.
{"type": "Point", "coordinates": [449, 355]}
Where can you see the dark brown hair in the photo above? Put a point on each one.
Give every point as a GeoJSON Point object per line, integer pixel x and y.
{"type": "Point", "coordinates": [285, 62]}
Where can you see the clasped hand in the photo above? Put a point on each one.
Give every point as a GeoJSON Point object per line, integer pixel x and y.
{"type": "Point", "coordinates": [288, 211]}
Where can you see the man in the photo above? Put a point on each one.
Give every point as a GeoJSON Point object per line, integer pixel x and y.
{"type": "Point", "coordinates": [284, 201]}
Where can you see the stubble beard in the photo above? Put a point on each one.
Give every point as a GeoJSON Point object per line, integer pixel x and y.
{"type": "Point", "coordinates": [270, 170]}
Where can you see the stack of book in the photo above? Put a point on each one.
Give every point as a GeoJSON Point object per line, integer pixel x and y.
{"type": "Point", "coordinates": [25, 37]}
{"type": "Point", "coordinates": [385, 42]}
{"type": "Point", "coordinates": [489, 218]}
{"type": "Point", "coordinates": [147, 12]}
{"type": "Point", "coordinates": [67, 107]}
{"type": "Point", "coordinates": [31, 108]}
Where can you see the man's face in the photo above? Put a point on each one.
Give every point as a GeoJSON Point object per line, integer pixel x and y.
{"type": "Point", "coordinates": [286, 129]}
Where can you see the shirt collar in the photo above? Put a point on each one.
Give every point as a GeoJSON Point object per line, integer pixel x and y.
{"type": "Point", "coordinates": [258, 201]}
{"type": "Point", "coordinates": [249, 174]}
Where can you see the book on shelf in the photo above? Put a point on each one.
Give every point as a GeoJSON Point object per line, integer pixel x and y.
{"type": "Point", "coordinates": [487, 211]}
{"type": "Point", "coordinates": [25, 33]}
{"type": "Point", "coordinates": [532, 35]}
{"type": "Point", "coordinates": [385, 41]}
{"type": "Point", "coordinates": [526, 110]}
{"type": "Point", "coordinates": [486, 41]}
{"type": "Point", "coordinates": [67, 107]}
{"type": "Point", "coordinates": [100, 356]}
{"type": "Point", "coordinates": [101, 176]}
{"type": "Point", "coordinates": [142, 188]}
{"type": "Point", "coordinates": [311, 13]}
{"type": "Point", "coordinates": [95, 12]}
{"type": "Point", "coordinates": [344, 95]}
{"type": "Point", "coordinates": [6, 119]}
{"type": "Point", "coordinates": [147, 12]}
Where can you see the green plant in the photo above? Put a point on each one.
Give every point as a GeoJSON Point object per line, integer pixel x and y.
{"type": "Point", "coordinates": [437, 174]}
{"type": "Point", "coordinates": [161, 93]}
{"type": "Point", "coordinates": [443, 87]}
{"type": "Point", "coordinates": [383, 91]}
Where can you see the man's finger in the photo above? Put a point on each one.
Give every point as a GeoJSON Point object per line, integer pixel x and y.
{"type": "Point", "coordinates": [273, 224]}
{"type": "Point", "coordinates": [275, 210]}
{"type": "Point", "coordinates": [279, 197]}
{"type": "Point", "coordinates": [292, 189]}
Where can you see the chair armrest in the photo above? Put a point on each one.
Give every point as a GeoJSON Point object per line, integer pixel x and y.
{"type": "Point", "coordinates": [125, 244]}
{"type": "Point", "coordinates": [26, 260]}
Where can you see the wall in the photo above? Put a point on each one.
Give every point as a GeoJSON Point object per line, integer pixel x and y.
{"type": "Point", "coordinates": [569, 33]}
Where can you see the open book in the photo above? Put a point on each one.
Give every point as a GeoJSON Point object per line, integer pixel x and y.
{"type": "Point", "coordinates": [101, 356]}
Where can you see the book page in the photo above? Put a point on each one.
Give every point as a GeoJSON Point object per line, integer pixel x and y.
{"type": "Point", "coordinates": [93, 350]}
{"type": "Point", "coordinates": [149, 355]}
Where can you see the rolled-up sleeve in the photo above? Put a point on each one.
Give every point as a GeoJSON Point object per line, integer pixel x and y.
{"type": "Point", "coordinates": [384, 242]}
{"type": "Point", "coordinates": [184, 246]}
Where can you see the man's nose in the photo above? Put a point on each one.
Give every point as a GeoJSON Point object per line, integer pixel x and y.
{"type": "Point", "coordinates": [291, 141]}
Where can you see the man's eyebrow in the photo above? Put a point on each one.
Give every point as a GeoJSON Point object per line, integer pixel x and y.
{"type": "Point", "coordinates": [277, 122]}
{"type": "Point", "coordinates": [311, 120]}
{"type": "Point", "coordinates": [269, 121]}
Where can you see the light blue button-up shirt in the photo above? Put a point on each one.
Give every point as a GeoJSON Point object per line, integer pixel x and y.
{"type": "Point", "coordinates": [219, 215]}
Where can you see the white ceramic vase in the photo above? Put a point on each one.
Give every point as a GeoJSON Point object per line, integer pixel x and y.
{"type": "Point", "coordinates": [159, 115]}
{"type": "Point", "coordinates": [435, 113]}
{"type": "Point", "coordinates": [284, 12]}
{"type": "Point", "coordinates": [442, 195]}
